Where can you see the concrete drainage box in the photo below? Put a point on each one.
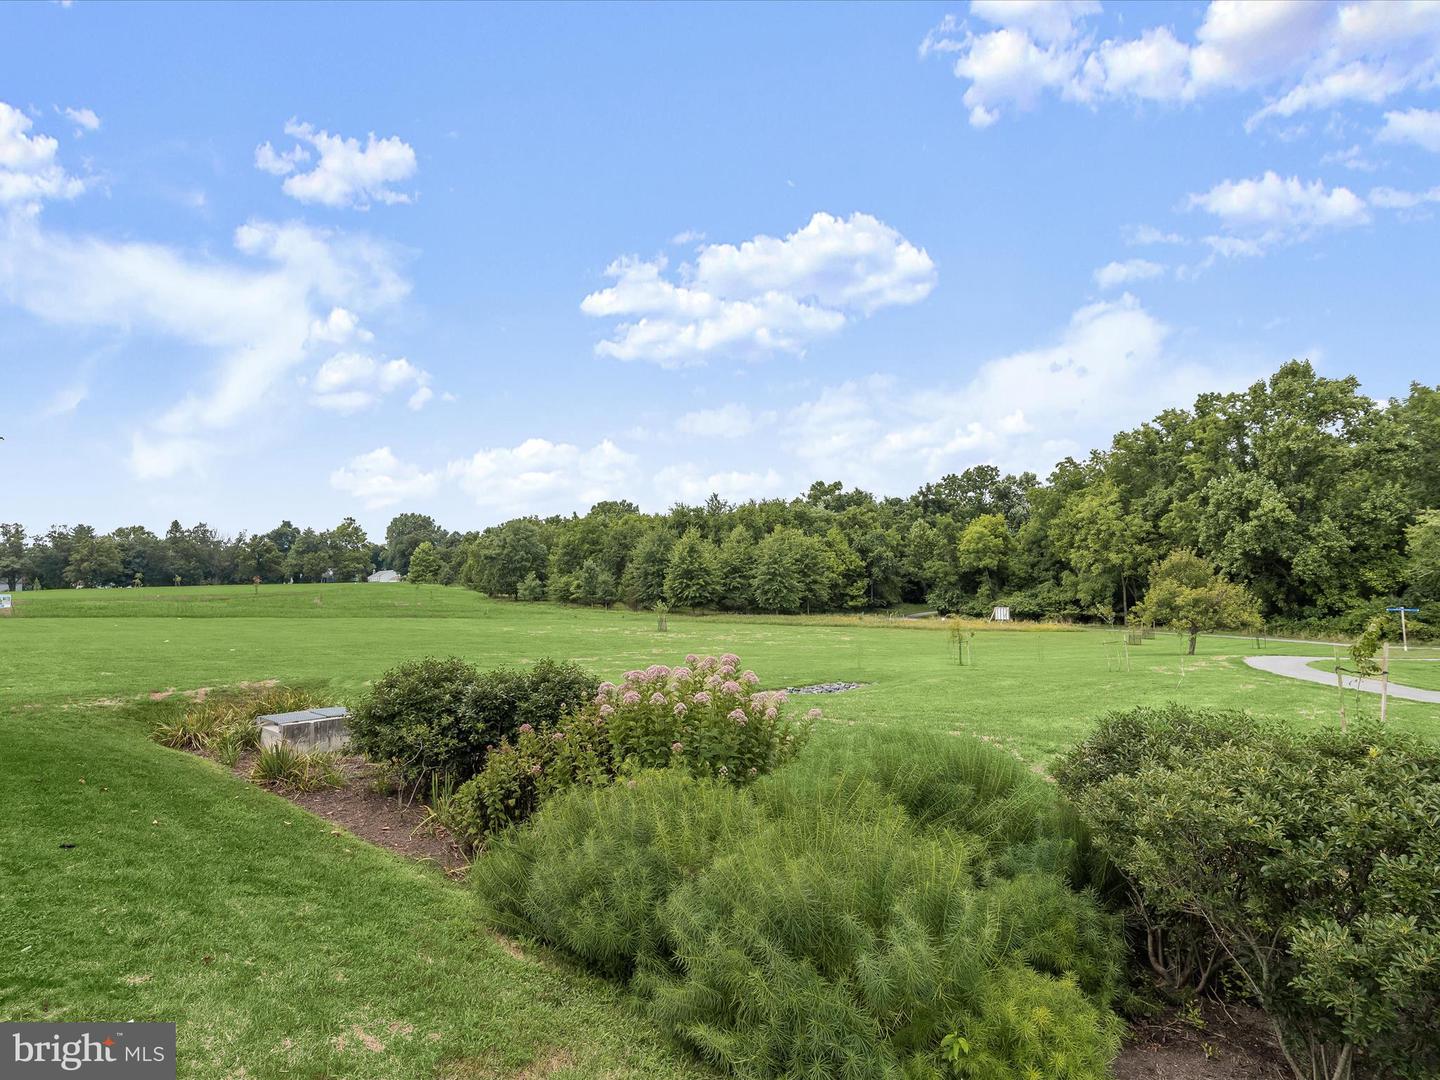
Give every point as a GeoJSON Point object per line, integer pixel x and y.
{"type": "Point", "coordinates": [308, 729]}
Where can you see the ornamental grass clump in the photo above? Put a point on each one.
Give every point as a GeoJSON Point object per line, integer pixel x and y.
{"type": "Point", "coordinates": [705, 717]}
{"type": "Point", "coordinates": [224, 722]}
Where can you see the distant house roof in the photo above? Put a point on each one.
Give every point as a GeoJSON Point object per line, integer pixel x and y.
{"type": "Point", "coordinates": [384, 575]}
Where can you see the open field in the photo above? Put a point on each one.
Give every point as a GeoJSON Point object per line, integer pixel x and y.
{"type": "Point", "coordinates": [192, 895]}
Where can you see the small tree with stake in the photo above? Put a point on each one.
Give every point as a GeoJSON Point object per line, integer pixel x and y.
{"type": "Point", "coordinates": [1187, 594]}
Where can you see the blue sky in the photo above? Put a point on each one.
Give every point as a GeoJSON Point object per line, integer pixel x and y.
{"type": "Point", "coordinates": [307, 261]}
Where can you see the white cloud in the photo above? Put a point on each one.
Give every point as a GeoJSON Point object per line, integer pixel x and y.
{"type": "Point", "coordinates": [1418, 126]}
{"type": "Point", "coordinates": [339, 327]}
{"type": "Point", "coordinates": [689, 236]}
{"type": "Point", "coordinates": [1044, 20]}
{"type": "Point", "coordinates": [66, 400]}
{"type": "Point", "coordinates": [349, 382]}
{"type": "Point", "coordinates": [276, 163]}
{"type": "Point", "coordinates": [1270, 209]}
{"type": "Point", "coordinates": [1153, 67]}
{"type": "Point", "coordinates": [1005, 67]}
{"type": "Point", "coordinates": [693, 485]}
{"type": "Point", "coordinates": [160, 457]}
{"type": "Point", "coordinates": [1352, 157]}
{"type": "Point", "coordinates": [732, 421]}
{"type": "Point", "coordinates": [1110, 367]}
{"type": "Point", "coordinates": [1148, 235]}
{"type": "Point", "coordinates": [539, 476]}
{"type": "Point", "coordinates": [346, 172]}
{"type": "Point", "coordinates": [83, 119]}
{"type": "Point", "coordinates": [29, 173]}
{"type": "Point", "coordinates": [252, 317]}
{"type": "Point", "coordinates": [1232, 247]}
{"type": "Point", "coordinates": [1119, 273]}
{"type": "Point", "coordinates": [765, 295]}
{"type": "Point", "coordinates": [1388, 198]}
{"type": "Point", "coordinates": [380, 479]}
{"type": "Point", "coordinates": [1311, 55]}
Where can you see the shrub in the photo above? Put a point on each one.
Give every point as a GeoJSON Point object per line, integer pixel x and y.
{"type": "Point", "coordinates": [1125, 742]}
{"type": "Point", "coordinates": [284, 766]}
{"type": "Point", "coordinates": [1314, 863]}
{"type": "Point", "coordinates": [842, 942]}
{"type": "Point", "coordinates": [809, 926]}
{"type": "Point", "coordinates": [419, 719]}
{"type": "Point", "coordinates": [518, 776]}
{"type": "Point", "coordinates": [1031, 1025]}
{"type": "Point", "coordinates": [704, 717]}
{"type": "Point", "coordinates": [590, 873]}
{"type": "Point", "coordinates": [1176, 945]}
{"type": "Point", "coordinates": [433, 720]}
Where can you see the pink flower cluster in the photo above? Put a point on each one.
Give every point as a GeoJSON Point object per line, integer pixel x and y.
{"type": "Point", "coordinates": [707, 711]}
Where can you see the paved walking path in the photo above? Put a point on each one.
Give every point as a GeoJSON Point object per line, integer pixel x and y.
{"type": "Point", "coordinates": [1298, 667]}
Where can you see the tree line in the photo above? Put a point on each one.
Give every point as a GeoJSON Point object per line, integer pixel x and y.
{"type": "Point", "coordinates": [1318, 499]}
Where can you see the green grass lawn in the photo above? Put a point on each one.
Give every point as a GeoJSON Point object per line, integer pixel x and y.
{"type": "Point", "coordinates": [286, 951]}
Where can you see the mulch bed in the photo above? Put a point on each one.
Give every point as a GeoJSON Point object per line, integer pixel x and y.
{"type": "Point", "coordinates": [360, 808]}
{"type": "Point", "coordinates": [1214, 1042]}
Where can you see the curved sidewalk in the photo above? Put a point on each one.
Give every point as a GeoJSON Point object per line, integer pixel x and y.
{"type": "Point", "coordinates": [1298, 667]}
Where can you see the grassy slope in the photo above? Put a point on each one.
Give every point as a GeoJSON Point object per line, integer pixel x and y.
{"type": "Point", "coordinates": [271, 942]}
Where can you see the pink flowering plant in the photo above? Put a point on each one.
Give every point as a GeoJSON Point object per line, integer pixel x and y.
{"type": "Point", "coordinates": [705, 716]}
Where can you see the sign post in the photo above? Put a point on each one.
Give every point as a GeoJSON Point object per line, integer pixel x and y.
{"type": "Point", "coordinates": [1404, 641]}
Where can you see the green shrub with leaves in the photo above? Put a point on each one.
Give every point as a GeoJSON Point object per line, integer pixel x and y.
{"type": "Point", "coordinates": [1314, 863]}
{"type": "Point", "coordinates": [1177, 945]}
{"type": "Point", "coordinates": [434, 720]}
{"type": "Point", "coordinates": [810, 926]}
{"type": "Point", "coordinates": [704, 717]}
{"type": "Point", "coordinates": [1126, 741]}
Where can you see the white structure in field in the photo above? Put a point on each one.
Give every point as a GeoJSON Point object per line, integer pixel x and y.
{"type": "Point", "coordinates": [1000, 614]}
{"type": "Point", "coordinates": [308, 729]}
{"type": "Point", "coordinates": [384, 576]}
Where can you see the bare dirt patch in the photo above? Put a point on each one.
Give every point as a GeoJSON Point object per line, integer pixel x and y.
{"type": "Point", "coordinates": [200, 693]}
{"type": "Point", "coordinates": [360, 808]}
{"type": "Point", "coordinates": [1210, 1043]}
